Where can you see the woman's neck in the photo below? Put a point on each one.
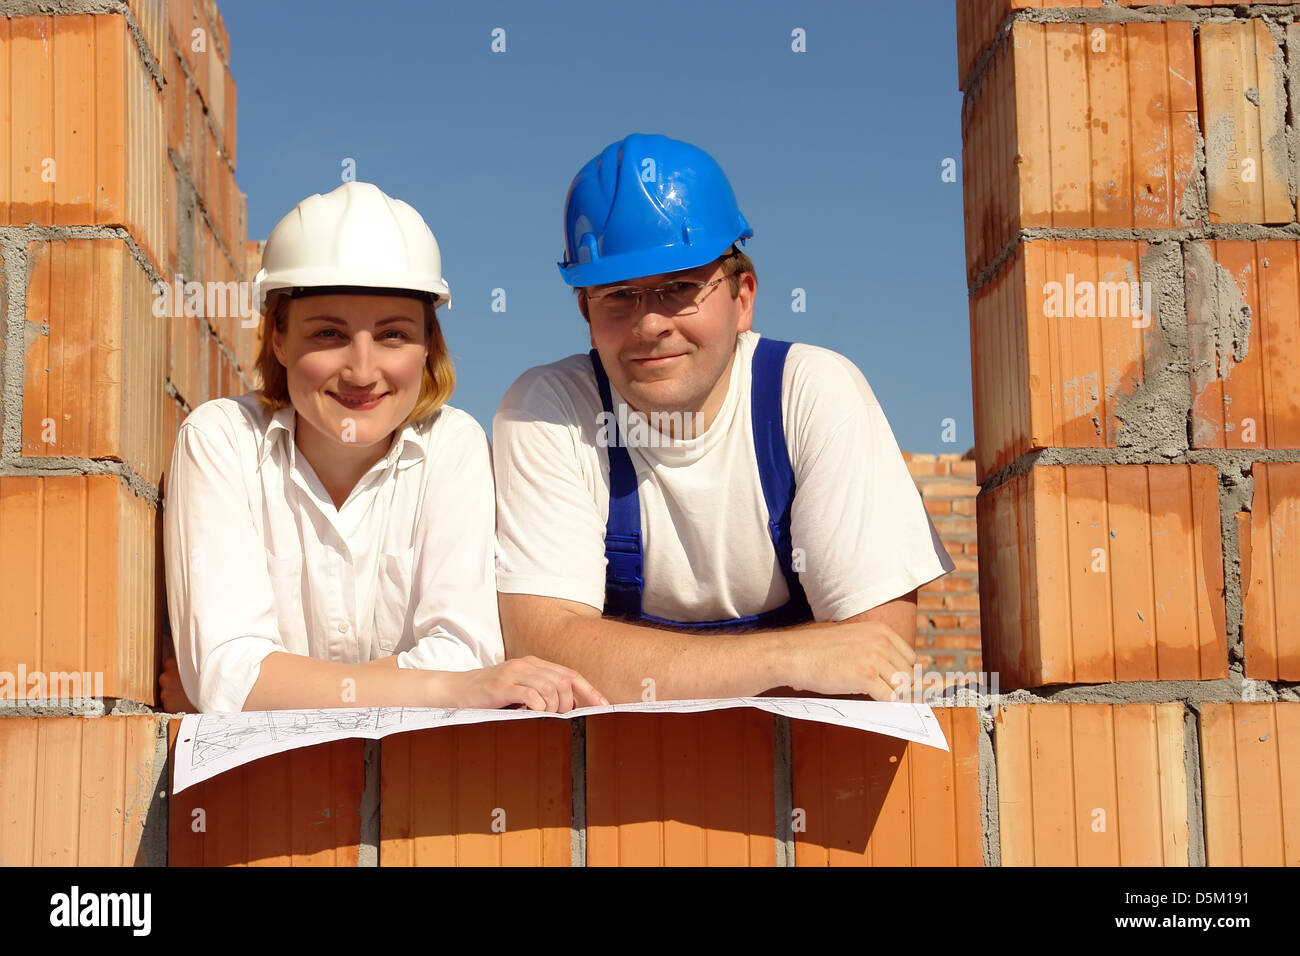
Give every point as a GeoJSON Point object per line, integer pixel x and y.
{"type": "Point", "coordinates": [338, 465]}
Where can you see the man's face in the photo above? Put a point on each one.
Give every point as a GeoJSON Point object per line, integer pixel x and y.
{"type": "Point", "coordinates": [354, 363]}
{"type": "Point", "coordinates": [673, 363]}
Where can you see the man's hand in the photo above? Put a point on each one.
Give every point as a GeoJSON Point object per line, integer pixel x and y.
{"type": "Point", "coordinates": [171, 691]}
{"type": "Point", "coordinates": [530, 681]}
{"type": "Point", "coordinates": [855, 657]}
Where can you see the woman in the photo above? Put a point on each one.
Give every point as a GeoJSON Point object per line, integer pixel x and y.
{"type": "Point", "coordinates": [329, 539]}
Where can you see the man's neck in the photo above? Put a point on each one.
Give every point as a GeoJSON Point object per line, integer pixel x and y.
{"type": "Point", "coordinates": [686, 423]}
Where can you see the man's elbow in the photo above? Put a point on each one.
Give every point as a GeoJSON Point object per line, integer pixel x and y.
{"type": "Point", "coordinates": [521, 632]}
{"type": "Point", "coordinates": [899, 615]}
{"type": "Point", "coordinates": [540, 626]}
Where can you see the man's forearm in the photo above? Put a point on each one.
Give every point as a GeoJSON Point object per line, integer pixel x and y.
{"type": "Point", "coordinates": [629, 662]}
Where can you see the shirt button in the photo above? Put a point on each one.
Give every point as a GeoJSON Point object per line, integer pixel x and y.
{"type": "Point", "coordinates": [343, 627]}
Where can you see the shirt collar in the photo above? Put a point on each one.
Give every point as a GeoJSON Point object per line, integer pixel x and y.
{"type": "Point", "coordinates": [406, 450]}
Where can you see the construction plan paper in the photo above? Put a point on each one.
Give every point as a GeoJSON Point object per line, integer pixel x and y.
{"type": "Point", "coordinates": [209, 744]}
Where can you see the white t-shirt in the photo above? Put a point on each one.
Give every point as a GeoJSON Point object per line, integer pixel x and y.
{"type": "Point", "coordinates": [861, 534]}
{"type": "Point", "coordinates": [259, 559]}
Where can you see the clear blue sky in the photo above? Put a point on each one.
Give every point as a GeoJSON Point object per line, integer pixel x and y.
{"type": "Point", "coordinates": [835, 155]}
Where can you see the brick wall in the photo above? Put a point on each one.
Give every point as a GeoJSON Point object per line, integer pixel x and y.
{"type": "Point", "coordinates": [947, 609]}
{"type": "Point", "coordinates": [1130, 202]}
{"type": "Point", "coordinates": [118, 125]}
{"type": "Point", "coordinates": [1139, 486]}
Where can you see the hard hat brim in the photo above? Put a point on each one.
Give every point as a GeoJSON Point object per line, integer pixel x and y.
{"type": "Point", "coordinates": [329, 278]}
{"type": "Point", "coordinates": [645, 262]}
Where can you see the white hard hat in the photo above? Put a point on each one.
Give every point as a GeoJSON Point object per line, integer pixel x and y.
{"type": "Point", "coordinates": [353, 236]}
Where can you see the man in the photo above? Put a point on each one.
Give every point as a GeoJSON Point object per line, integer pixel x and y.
{"type": "Point", "coordinates": [737, 508]}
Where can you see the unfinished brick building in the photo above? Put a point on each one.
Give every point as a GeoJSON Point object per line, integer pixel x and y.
{"type": "Point", "coordinates": [1138, 460]}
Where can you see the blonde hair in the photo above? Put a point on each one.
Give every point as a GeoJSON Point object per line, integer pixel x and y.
{"type": "Point", "coordinates": [436, 384]}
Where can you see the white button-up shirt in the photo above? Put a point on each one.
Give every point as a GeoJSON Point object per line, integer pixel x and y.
{"type": "Point", "coordinates": [260, 560]}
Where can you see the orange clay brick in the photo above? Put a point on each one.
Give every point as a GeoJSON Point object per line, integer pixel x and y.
{"type": "Point", "coordinates": [1063, 133]}
{"type": "Point", "coordinates": [1250, 779]}
{"type": "Point", "coordinates": [960, 642]}
{"type": "Point", "coordinates": [202, 49]}
{"type": "Point", "coordinates": [496, 794]}
{"type": "Point", "coordinates": [953, 582]}
{"type": "Point", "coordinates": [6, 121]}
{"type": "Point", "coordinates": [180, 24]}
{"type": "Point", "coordinates": [173, 416]}
{"type": "Point", "coordinates": [1096, 573]}
{"type": "Point", "coordinates": [213, 13]}
{"type": "Point", "coordinates": [1243, 327]}
{"type": "Point", "coordinates": [186, 357]}
{"type": "Point", "coordinates": [176, 98]}
{"type": "Point", "coordinates": [151, 15]}
{"type": "Point", "coordinates": [298, 808]}
{"type": "Point", "coordinates": [1244, 103]}
{"type": "Point", "coordinates": [868, 800]}
{"type": "Point", "coordinates": [78, 582]}
{"type": "Point", "coordinates": [978, 21]}
{"type": "Point", "coordinates": [941, 621]}
{"type": "Point", "coordinates": [196, 130]}
{"type": "Point", "coordinates": [171, 221]}
{"type": "Point", "coordinates": [76, 791]}
{"type": "Point", "coordinates": [953, 528]}
{"type": "Point", "coordinates": [230, 140]}
{"type": "Point", "coordinates": [929, 601]}
{"type": "Point", "coordinates": [1091, 785]}
{"type": "Point", "coordinates": [1057, 344]}
{"type": "Point", "coordinates": [85, 128]}
{"type": "Point", "coordinates": [938, 507]}
{"type": "Point", "coordinates": [921, 465]}
{"type": "Point", "coordinates": [948, 489]}
{"type": "Point", "coordinates": [94, 379]}
{"type": "Point", "coordinates": [246, 331]}
{"type": "Point", "coordinates": [1270, 566]}
{"type": "Point", "coordinates": [681, 789]}
{"type": "Point", "coordinates": [214, 96]}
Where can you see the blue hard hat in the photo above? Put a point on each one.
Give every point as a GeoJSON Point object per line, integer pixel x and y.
{"type": "Point", "coordinates": [645, 206]}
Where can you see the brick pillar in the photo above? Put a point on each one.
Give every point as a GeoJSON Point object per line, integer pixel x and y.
{"type": "Point", "coordinates": [118, 124]}
{"type": "Point", "coordinates": [1135, 311]}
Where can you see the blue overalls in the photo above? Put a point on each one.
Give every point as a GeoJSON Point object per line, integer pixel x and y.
{"type": "Point", "coordinates": [623, 580]}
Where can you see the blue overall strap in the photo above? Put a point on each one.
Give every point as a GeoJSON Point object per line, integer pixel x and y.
{"type": "Point", "coordinates": [623, 575]}
{"type": "Point", "coordinates": [624, 579]}
{"type": "Point", "coordinates": [774, 469]}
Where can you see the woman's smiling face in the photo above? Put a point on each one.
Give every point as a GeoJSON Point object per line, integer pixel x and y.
{"type": "Point", "coordinates": [353, 363]}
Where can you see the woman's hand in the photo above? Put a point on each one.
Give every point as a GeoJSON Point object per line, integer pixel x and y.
{"type": "Point", "coordinates": [172, 693]}
{"type": "Point", "coordinates": [530, 681]}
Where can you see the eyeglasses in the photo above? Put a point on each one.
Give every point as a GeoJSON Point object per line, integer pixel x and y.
{"type": "Point", "coordinates": [679, 297]}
